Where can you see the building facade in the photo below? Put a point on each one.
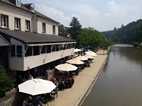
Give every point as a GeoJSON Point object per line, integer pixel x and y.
{"type": "Point", "coordinates": [29, 39]}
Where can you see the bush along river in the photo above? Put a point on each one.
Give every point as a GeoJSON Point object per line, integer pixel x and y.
{"type": "Point", "coordinates": [120, 84]}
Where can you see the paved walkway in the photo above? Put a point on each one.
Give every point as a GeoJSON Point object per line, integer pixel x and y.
{"type": "Point", "coordinates": [73, 96]}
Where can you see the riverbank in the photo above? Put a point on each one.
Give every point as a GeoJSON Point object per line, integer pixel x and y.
{"type": "Point", "coordinates": [83, 83]}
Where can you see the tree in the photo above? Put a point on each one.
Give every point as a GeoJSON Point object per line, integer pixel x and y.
{"type": "Point", "coordinates": [75, 28]}
{"type": "Point", "coordinates": [90, 38]}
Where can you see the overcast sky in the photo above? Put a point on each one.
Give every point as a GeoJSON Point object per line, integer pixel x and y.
{"type": "Point", "coordinates": [100, 14]}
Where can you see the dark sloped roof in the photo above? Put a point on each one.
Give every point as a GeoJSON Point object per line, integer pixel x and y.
{"type": "Point", "coordinates": [33, 38]}
{"type": "Point", "coordinates": [3, 41]}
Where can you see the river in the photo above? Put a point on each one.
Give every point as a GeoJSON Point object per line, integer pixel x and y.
{"type": "Point", "coordinates": [120, 83]}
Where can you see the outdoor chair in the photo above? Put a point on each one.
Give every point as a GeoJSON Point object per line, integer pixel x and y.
{"type": "Point", "coordinates": [44, 99]}
{"type": "Point", "coordinates": [61, 85]}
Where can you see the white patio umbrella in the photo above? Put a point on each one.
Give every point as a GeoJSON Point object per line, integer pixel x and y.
{"type": "Point", "coordinates": [75, 62]}
{"type": "Point", "coordinates": [36, 87]}
{"type": "Point", "coordinates": [77, 50]}
{"type": "Point", "coordinates": [66, 67]}
{"type": "Point", "coordinates": [91, 53]}
{"type": "Point", "coordinates": [82, 58]}
{"type": "Point", "coordinates": [89, 57]}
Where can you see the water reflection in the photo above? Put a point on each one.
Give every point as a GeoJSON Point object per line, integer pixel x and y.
{"type": "Point", "coordinates": [132, 54]}
{"type": "Point", "coordinates": [121, 84]}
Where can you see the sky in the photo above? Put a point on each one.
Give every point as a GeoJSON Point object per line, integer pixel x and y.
{"type": "Point", "coordinates": [103, 15]}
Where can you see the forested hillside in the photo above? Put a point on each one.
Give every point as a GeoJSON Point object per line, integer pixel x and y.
{"type": "Point", "coordinates": [131, 33]}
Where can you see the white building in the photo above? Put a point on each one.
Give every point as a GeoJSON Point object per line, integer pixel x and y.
{"type": "Point", "coordinates": [29, 39]}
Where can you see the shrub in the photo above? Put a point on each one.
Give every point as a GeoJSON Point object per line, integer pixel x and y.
{"type": "Point", "coordinates": [5, 82]}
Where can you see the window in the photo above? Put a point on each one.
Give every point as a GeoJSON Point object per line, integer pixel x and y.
{"type": "Point", "coordinates": [17, 24]}
{"type": "Point", "coordinates": [28, 25]}
{"type": "Point", "coordinates": [43, 28]}
{"type": "Point", "coordinates": [48, 48]}
{"type": "Point", "coordinates": [43, 50]}
{"type": "Point", "coordinates": [16, 51]}
{"type": "Point", "coordinates": [36, 50]}
{"type": "Point", "coordinates": [57, 47]}
{"type": "Point", "coordinates": [74, 45]}
{"type": "Point", "coordinates": [53, 48]}
{"type": "Point", "coordinates": [70, 46]}
{"type": "Point", "coordinates": [13, 49]}
{"type": "Point", "coordinates": [4, 21]}
{"type": "Point", "coordinates": [62, 47]}
{"type": "Point", "coordinates": [54, 29]}
{"type": "Point", "coordinates": [67, 46]}
{"type": "Point", "coordinates": [29, 51]}
{"type": "Point", "coordinates": [19, 51]}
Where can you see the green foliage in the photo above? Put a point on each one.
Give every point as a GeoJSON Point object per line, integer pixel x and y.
{"type": "Point", "coordinates": [75, 28]}
{"type": "Point", "coordinates": [5, 82]}
{"type": "Point", "coordinates": [91, 38]}
{"type": "Point", "coordinates": [87, 37]}
{"type": "Point", "coordinates": [131, 33]}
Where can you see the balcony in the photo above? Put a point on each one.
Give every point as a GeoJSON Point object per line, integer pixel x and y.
{"type": "Point", "coordinates": [36, 56]}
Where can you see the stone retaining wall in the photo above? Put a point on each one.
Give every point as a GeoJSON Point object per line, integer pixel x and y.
{"type": "Point", "coordinates": [8, 99]}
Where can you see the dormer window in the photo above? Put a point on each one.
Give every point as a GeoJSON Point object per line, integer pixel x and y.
{"type": "Point", "coordinates": [4, 21]}
{"type": "Point", "coordinates": [28, 25]}
{"type": "Point", "coordinates": [54, 29]}
{"type": "Point", "coordinates": [43, 28]}
{"type": "Point", "coordinates": [17, 23]}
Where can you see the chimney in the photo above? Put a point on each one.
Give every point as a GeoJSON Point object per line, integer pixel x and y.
{"type": "Point", "coordinates": [12, 1]}
{"type": "Point", "coordinates": [29, 6]}
{"type": "Point", "coordinates": [18, 3]}
{"type": "Point", "coordinates": [15, 2]}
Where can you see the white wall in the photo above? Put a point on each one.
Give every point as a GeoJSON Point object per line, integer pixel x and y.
{"type": "Point", "coordinates": [14, 12]}
{"type": "Point", "coordinates": [49, 26]}
{"type": "Point", "coordinates": [36, 22]}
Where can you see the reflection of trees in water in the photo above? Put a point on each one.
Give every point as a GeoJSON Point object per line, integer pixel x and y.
{"type": "Point", "coordinates": [104, 69]}
{"type": "Point", "coordinates": [132, 54]}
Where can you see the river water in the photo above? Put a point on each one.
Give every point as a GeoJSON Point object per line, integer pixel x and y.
{"type": "Point", "coordinates": [120, 84]}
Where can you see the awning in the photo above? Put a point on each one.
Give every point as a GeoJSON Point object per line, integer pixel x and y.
{"type": "Point", "coordinates": [36, 87]}
{"type": "Point", "coordinates": [75, 62]}
{"type": "Point", "coordinates": [66, 67]}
